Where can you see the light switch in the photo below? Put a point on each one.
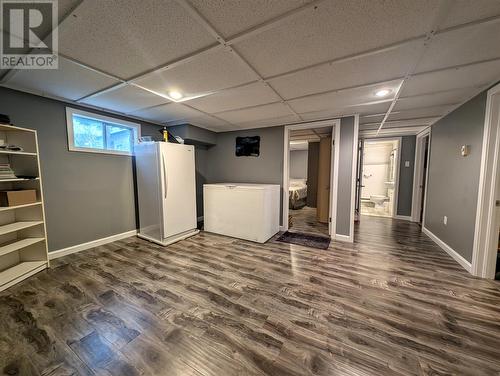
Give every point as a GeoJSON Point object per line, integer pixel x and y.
{"type": "Point", "coordinates": [464, 150]}
{"type": "Point", "coordinates": [445, 220]}
{"type": "Point", "coordinates": [407, 163]}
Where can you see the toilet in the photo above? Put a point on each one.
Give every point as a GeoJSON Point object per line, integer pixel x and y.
{"type": "Point", "coordinates": [378, 199]}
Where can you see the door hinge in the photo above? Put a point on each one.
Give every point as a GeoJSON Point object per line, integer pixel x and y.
{"type": "Point", "coordinates": [330, 219]}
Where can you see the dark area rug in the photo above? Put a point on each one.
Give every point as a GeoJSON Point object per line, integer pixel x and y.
{"type": "Point", "coordinates": [307, 240]}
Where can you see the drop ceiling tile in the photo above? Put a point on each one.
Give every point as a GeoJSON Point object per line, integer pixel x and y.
{"type": "Point", "coordinates": [411, 122]}
{"type": "Point", "coordinates": [470, 76]}
{"type": "Point", "coordinates": [336, 28]}
{"type": "Point", "coordinates": [281, 120]}
{"type": "Point", "coordinates": [464, 11]}
{"type": "Point", "coordinates": [462, 46]}
{"type": "Point", "coordinates": [216, 70]}
{"type": "Point", "coordinates": [366, 109]}
{"type": "Point", "coordinates": [344, 99]}
{"type": "Point", "coordinates": [234, 16]}
{"type": "Point", "coordinates": [125, 99]}
{"type": "Point", "coordinates": [435, 111]}
{"type": "Point", "coordinates": [371, 119]}
{"type": "Point", "coordinates": [70, 81]}
{"type": "Point", "coordinates": [374, 68]}
{"type": "Point", "coordinates": [129, 37]}
{"type": "Point", "coordinates": [245, 96]}
{"type": "Point", "coordinates": [254, 114]}
{"type": "Point", "coordinates": [167, 113]}
{"type": "Point", "coordinates": [434, 99]}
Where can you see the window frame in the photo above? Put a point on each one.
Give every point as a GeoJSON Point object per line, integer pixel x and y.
{"type": "Point", "coordinates": [135, 127]}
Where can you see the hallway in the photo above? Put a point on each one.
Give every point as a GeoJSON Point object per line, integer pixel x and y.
{"type": "Point", "coordinates": [392, 303]}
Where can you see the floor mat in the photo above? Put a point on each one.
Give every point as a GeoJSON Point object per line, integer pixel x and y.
{"type": "Point", "coordinates": [308, 240]}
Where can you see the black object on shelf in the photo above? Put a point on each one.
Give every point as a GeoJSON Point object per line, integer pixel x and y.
{"type": "Point", "coordinates": [5, 119]}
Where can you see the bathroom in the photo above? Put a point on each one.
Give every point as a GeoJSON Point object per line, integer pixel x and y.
{"type": "Point", "coordinates": [379, 177]}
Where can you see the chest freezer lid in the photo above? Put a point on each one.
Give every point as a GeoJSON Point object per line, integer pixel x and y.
{"type": "Point", "coordinates": [245, 186]}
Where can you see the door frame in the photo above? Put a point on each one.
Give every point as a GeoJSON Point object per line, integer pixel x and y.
{"type": "Point", "coordinates": [485, 236]}
{"type": "Point", "coordinates": [335, 124]}
{"type": "Point", "coordinates": [418, 175]}
{"type": "Point", "coordinates": [398, 168]}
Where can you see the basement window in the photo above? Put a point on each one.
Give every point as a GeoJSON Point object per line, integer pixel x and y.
{"type": "Point", "coordinates": [94, 133]}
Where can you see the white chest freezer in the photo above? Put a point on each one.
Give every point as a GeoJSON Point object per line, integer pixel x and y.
{"type": "Point", "coordinates": [245, 211]}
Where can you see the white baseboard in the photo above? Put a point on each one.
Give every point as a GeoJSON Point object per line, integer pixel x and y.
{"type": "Point", "coordinates": [91, 244]}
{"type": "Point", "coordinates": [282, 228]}
{"type": "Point", "coordinates": [343, 238]}
{"type": "Point", "coordinates": [403, 217]}
{"type": "Point", "coordinates": [454, 254]}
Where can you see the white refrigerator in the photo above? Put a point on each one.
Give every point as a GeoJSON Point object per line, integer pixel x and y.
{"type": "Point", "coordinates": [166, 190]}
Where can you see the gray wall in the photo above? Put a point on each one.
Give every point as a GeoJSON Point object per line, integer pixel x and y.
{"type": "Point", "coordinates": [87, 196]}
{"type": "Point", "coordinates": [345, 144]}
{"type": "Point", "coordinates": [405, 193]}
{"type": "Point", "coordinates": [298, 164]}
{"type": "Point", "coordinates": [201, 165]}
{"type": "Point", "coordinates": [224, 166]}
{"type": "Point", "coordinates": [312, 174]}
{"type": "Point", "coordinates": [453, 183]}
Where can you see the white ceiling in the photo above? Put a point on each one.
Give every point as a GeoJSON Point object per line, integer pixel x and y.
{"type": "Point", "coordinates": [246, 64]}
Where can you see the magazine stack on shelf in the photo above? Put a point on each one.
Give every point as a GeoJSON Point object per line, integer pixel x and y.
{"type": "Point", "coordinates": [6, 171]}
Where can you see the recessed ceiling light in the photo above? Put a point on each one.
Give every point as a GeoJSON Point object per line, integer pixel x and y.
{"type": "Point", "coordinates": [175, 94]}
{"type": "Point", "coordinates": [382, 93]}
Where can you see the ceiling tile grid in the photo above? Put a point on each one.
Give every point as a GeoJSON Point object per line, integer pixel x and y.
{"type": "Point", "coordinates": [344, 98]}
{"type": "Point", "coordinates": [126, 99]}
{"type": "Point", "coordinates": [456, 78]}
{"type": "Point", "coordinates": [268, 111]}
{"type": "Point", "coordinates": [434, 99]}
{"type": "Point", "coordinates": [71, 81]}
{"type": "Point", "coordinates": [211, 72]}
{"type": "Point", "coordinates": [317, 58]}
{"type": "Point", "coordinates": [129, 37]}
{"type": "Point", "coordinates": [462, 46]}
{"type": "Point", "coordinates": [379, 67]}
{"type": "Point", "coordinates": [232, 17]}
{"type": "Point", "coordinates": [250, 95]}
{"type": "Point", "coordinates": [334, 29]}
{"type": "Point", "coordinates": [434, 111]}
{"type": "Point", "coordinates": [167, 113]}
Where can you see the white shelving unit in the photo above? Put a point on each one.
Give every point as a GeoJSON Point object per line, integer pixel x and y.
{"type": "Point", "coordinates": [23, 237]}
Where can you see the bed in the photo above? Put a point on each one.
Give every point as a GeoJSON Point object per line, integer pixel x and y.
{"type": "Point", "coordinates": [297, 193]}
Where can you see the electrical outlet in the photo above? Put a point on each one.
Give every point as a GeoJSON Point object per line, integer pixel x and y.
{"type": "Point", "coordinates": [407, 163]}
{"type": "Point", "coordinates": [445, 220]}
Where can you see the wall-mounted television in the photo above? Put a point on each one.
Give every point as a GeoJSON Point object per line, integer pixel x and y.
{"type": "Point", "coordinates": [248, 146]}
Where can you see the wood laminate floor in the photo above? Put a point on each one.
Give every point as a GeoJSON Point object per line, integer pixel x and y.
{"type": "Point", "coordinates": [304, 220]}
{"type": "Point", "coordinates": [393, 303]}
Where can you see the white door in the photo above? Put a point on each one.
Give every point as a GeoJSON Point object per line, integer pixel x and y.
{"type": "Point", "coordinates": [179, 188]}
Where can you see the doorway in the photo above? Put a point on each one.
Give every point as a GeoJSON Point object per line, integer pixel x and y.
{"type": "Point", "coordinates": [379, 177]}
{"type": "Point", "coordinates": [307, 178]}
{"type": "Point", "coordinates": [485, 254]}
{"type": "Point", "coordinates": [310, 180]}
{"type": "Point", "coordinates": [420, 176]}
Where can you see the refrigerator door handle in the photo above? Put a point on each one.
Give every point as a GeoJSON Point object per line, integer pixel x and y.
{"type": "Point", "coordinates": [165, 179]}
